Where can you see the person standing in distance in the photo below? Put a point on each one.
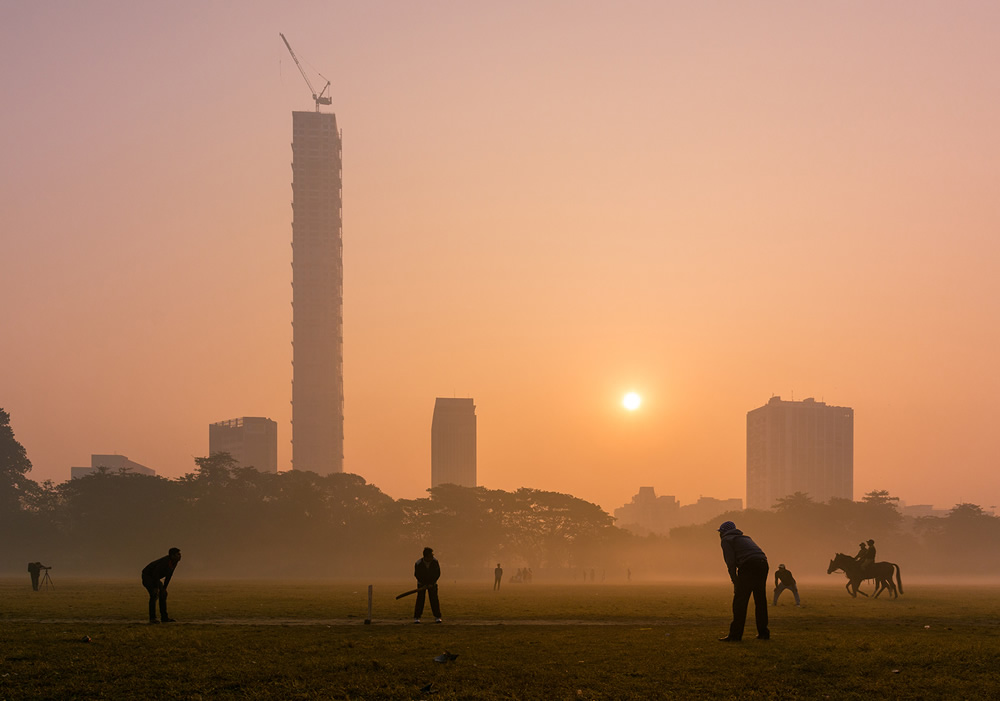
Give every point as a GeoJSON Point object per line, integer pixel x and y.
{"type": "Point", "coordinates": [747, 566]}
{"type": "Point", "coordinates": [427, 570]}
{"type": "Point", "coordinates": [783, 579]}
{"type": "Point", "coordinates": [497, 575]}
{"type": "Point", "coordinates": [151, 576]}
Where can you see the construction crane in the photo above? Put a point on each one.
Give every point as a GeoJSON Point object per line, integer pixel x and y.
{"type": "Point", "coordinates": [319, 99]}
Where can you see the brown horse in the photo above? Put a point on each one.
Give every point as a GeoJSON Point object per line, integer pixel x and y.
{"type": "Point", "coordinates": [880, 572]}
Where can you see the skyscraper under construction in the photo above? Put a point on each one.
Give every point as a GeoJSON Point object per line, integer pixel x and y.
{"type": "Point", "coordinates": [317, 294]}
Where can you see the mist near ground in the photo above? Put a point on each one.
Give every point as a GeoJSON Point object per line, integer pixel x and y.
{"type": "Point", "coordinates": [236, 522]}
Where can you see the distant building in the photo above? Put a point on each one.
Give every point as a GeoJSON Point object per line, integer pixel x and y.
{"type": "Point", "coordinates": [802, 446]}
{"type": "Point", "coordinates": [251, 440]}
{"type": "Point", "coordinates": [453, 443]}
{"type": "Point", "coordinates": [648, 513]}
{"type": "Point", "coordinates": [113, 464]}
{"type": "Point", "coordinates": [317, 295]}
{"type": "Point", "coordinates": [922, 510]}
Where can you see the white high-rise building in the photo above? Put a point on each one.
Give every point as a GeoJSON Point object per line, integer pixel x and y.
{"type": "Point", "coordinates": [802, 446]}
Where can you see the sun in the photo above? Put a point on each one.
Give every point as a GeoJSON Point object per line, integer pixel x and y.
{"type": "Point", "coordinates": [632, 401]}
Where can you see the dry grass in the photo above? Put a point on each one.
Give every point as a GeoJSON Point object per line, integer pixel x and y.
{"type": "Point", "coordinates": [267, 640]}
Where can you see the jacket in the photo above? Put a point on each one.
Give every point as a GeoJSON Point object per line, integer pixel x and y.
{"type": "Point", "coordinates": [427, 573]}
{"type": "Point", "coordinates": [739, 549]}
{"type": "Point", "coordinates": [159, 569]}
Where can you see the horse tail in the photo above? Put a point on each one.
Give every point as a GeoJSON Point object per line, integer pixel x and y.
{"type": "Point", "coordinates": [899, 579]}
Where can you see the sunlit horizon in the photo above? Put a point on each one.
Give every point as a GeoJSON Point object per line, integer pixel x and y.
{"type": "Point", "coordinates": [542, 211]}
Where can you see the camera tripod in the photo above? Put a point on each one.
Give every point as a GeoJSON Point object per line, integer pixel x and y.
{"type": "Point", "coordinates": [46, 582]}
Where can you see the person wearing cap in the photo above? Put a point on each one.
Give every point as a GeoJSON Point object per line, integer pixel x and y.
{"type": "Point", "coordinates": [862, 552]}
{"type": "Point", "coordinates": [427, 570]}
{"type": "Point", "coordinates": [783, 579]}
{"type": "Point", "coordinates": [747, 566]}
{"type": "Point", "coordinates": [162, 569]}
{"type": "Point", "coordinates": [869, 557]}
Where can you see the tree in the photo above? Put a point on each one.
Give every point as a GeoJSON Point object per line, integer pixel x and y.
{"type": "Point", "coordinates": [880, 497]}
{"type": "Point", "coordinates": [877, 515]}
{"type": "Point", "coordinates": [14, 468]}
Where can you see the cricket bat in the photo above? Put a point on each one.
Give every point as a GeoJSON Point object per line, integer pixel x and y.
{"type": "Point", "coordinates": [412, 591]}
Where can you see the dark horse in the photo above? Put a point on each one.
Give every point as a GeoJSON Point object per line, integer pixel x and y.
{"type": "Point", "coordinates": [856, 573]}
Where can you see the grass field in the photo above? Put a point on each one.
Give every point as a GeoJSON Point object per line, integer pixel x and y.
{"type": "Point", "coordinates": [307, 640]}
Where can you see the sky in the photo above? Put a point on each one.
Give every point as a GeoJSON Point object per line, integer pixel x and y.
{"type": "Point", "coordinates": [546, 205]}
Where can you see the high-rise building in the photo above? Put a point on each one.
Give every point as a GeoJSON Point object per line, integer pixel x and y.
{"type": "Point", "coordinates": [802, 446]}
{"type": "Point", "coordinates": [111, 463]}
{"type": "Point", "coordinates": [317, 295]}
{"type": "Point", "coordinates": [453, 442]}
{"type": "Point", "coordinates": [251, 440]}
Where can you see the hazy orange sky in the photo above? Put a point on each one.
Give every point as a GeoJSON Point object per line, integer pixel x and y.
{"type": "Point", "coordinates": [546, 205]}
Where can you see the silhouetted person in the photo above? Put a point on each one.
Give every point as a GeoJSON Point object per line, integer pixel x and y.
{"type": "Point", "coordinates": [862, 552]}
{"type": "Point", "coordinates": [497, 575]}
{"type": "Point", "coordinates": [747, 566]}
{"type": "Point", "coordinates": [628, 575]}
{"type": "Point", "coordinates": [428, 572]}
{"type": "Point", "coordinates": [162, 569]}
{"type": "Point", "coordinates": [35, 569]}
{"type": "Point", "coordinates": [783, 579]}
{"type": "Point", "coordinates": [869, 559]}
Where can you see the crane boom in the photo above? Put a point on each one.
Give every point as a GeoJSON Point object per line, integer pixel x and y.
{"type": "Point", "coordinates": [318, 99]}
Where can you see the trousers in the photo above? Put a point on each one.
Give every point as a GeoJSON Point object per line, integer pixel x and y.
{"type": "Point", "coordinates": [751, 580]}
{"type": "Point", "coordinates": [432, 593]}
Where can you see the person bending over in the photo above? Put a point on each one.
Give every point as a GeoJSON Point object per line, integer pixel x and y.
{"type": "Point", "coordinates": [152, 574]}
{"type": "Point", "coordinates": [747, 566]}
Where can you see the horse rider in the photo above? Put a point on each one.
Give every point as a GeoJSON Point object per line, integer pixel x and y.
{"type": "Point", "coordinates": [869, 558]}
{"type": "Point", "coordinates": [861, 553]}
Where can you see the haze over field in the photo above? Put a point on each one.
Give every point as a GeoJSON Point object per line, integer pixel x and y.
{"type": "Point", "coordinates": [546, 206]}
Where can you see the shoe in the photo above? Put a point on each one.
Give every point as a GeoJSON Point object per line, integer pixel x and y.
{"type": "Point", "coordinates": [153, 620]}
{"type": "Point", "coordinates": [168, 620]}
{"type": "Point", "coordinates": [729, 639]}
{"type": "Point", "coordinates": [437, 620]}
{"type": "Point", "coordinates": [416, 620]}
{"type": "Point", "coordinates": [763, 637]}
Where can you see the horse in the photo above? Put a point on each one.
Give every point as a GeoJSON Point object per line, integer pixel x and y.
{"type": "Point", "coordinates": [881, 572]}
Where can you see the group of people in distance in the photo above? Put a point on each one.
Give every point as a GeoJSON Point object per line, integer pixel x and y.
{"type": "Point", "coordinates": [746, 562]}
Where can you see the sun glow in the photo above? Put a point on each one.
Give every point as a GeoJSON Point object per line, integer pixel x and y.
{"type": "Point", "coordinates": [632, 401]}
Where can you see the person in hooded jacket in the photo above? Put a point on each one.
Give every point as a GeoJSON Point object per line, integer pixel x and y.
{"type": "Point", "coordinates": [748, 569]}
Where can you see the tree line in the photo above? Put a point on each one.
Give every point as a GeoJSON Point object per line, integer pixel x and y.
{"type": "Point", "coordinates": [233, 521]}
